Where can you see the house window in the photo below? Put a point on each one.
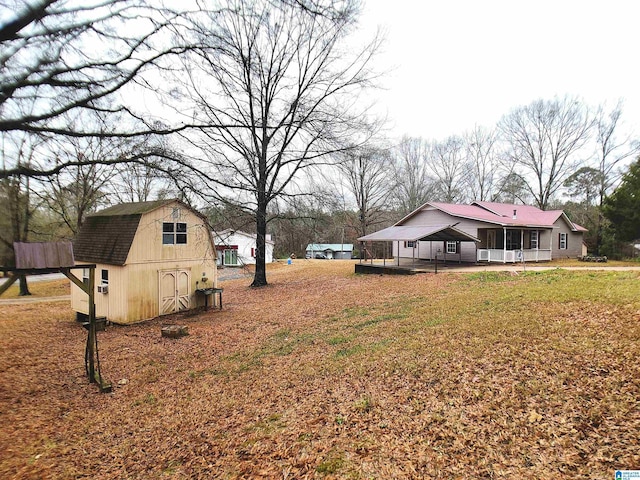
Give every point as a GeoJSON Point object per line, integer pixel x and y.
{"type": "Point", "coordinates": [104, 276]}
{"type": "Point", "coordinates": [563, 241]}
{"type": "Point", "coordinates": [174, 233]}
{"type": "Point", "coordinates": [409, 244]}
{"type": "Point", "coordinates": [253, 252]}
{"type": "Point", "coordinates": [452, 247]}
{"type": "Point", "coordinates": [533, 239]}
{"type": "Point", "coordinates": [231, 257]}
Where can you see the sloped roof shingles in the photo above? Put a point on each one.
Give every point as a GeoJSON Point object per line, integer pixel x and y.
{"type": "Point", "coordinates": [106, 239]}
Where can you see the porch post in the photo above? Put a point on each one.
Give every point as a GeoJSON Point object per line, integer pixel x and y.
{"type": "Point", "coordinates": [384, 260]}
{"type": "Point", "coordinates": [398, 259]}
{"type": "Point", "coordinates": [550, 244]}
{"type": "Point", "coordinates": [504, 244]}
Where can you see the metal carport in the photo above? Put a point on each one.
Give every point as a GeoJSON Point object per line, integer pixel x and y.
{"type": "Point", "coordinates": [418, 233]}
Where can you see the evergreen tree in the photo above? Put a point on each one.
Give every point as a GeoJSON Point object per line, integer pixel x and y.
{"type": "Point", "coordinates": [622, 208]}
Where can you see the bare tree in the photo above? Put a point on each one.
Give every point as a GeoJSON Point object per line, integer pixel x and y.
{"type": "Point", "coordinates": [612, 152]}
{"type": "Point", "coordinates": [277, 89]}
{"type": "Point", "coordinates": [366, 176]}
{"type": "Point", "coordinates": [413, 184]}
{"type": "Point", "coordinates": [80, 189]}
{"type": "Point", "coordinates": [482, 157]}
{"type": "Point", "coordinates": [16, 204]}
{"type": "Point", "coordinates": [140, 183]}
{"type": "Point", "coordinates": [449, 166]}
{"type": "Point", "coordinates": [59, 57]}
{"type": "Point", "coordinates": [73, 194]}
{"type": "Point", "coordinates": [544, 139]}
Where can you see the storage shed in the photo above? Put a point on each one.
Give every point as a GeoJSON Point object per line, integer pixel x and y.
{"type": "Point", "coordinates": [150, 258]}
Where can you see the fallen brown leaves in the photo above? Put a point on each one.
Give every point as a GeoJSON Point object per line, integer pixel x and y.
{"type": "Point", "coordinates": [324, 374]}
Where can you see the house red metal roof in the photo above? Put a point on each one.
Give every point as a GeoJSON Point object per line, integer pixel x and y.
{"type": "Point", "coordinates": [505, 214]}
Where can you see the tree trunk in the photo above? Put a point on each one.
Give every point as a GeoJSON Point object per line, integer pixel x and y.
{"type": "Point", "coordinates": [260, 276]}
{"type": "Point", "coordinates": [24, 287]}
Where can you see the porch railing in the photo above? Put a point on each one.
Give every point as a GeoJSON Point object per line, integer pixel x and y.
{"type": "Point", "coordinates": [512, 256]}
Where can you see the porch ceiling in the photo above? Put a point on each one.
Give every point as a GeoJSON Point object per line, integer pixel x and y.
{"type": "Point", "coordinates": [423, 233]}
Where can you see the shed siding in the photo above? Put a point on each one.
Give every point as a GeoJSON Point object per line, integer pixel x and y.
{"type": "Point", "coordinates": [147, 243]}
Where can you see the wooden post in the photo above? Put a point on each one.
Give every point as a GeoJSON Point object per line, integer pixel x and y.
{"type": "Point", "coordinates": [91, 340]}
{"type": "Point", "coordinates": [8, 282]}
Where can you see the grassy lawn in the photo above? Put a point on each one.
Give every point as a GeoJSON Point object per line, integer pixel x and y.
{"type": "Point", "coordinates": [47, 288]}
{"type": "Point", "coordinates": [327, 374]}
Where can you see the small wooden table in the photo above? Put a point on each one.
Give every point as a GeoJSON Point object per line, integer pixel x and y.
{"type": "Point", "coordinates": [210, 291]}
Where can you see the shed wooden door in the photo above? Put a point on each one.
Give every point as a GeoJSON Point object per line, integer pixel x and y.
{"type": "Point", "coordinates": [175, 294]}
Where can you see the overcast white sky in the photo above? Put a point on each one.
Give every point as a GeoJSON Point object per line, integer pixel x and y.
{"type": "Point", "coordinates": [465, 62]}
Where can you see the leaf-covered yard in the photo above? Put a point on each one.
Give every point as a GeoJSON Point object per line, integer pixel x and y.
{"type": "Point", "coordinates": [325, 374]}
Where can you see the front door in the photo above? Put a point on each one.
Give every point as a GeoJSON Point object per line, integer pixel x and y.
{"type": "Point", "coordinates": [491, 239]}
{"type": "Point", "coordinates": [175, 292]}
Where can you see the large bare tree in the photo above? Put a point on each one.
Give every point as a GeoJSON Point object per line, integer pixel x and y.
{"type": "Point", "coordinates": [544, 142]}
{"type": "Point", "coordinates": [613, 150]}
{"type": "Point", "coordinates": [412, 182]}
{"type": "Point", "coordinates": [277, 86]}
{"type": "Point", "coordinates": [449, 166]}
{"type": "Point", "coordinates": [483, 159]}
{"type": "Point", "coordinates": [62, 56]}
{"type": "Point", "coordinates": [613, 147]}
{"type": "Point", "coordinates": [365, 173]}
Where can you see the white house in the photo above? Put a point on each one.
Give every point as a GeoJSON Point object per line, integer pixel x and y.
{"type": "Point", "coordinates": [236, 248]}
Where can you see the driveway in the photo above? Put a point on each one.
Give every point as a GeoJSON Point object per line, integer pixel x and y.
{"type": "Point", "coordinates": [39, 278]}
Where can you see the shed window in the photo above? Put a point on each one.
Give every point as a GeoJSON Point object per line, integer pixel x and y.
{"type": "Point", "coordinates": [174, 233]}
{"type": "Point", "coordinates": [452, 247]}
{"type": "Point", "coordinates": [105, 277]}
{"type": "Point", "coordinates": [563, 241]}
{"type": "Point", "coordinates": [85, 276]}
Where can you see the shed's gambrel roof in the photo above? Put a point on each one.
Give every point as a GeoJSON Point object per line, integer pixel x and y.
{"type": "Point", "coordinates": [106, 236]}
{"type": "Point", "coordinates": [106, 239]}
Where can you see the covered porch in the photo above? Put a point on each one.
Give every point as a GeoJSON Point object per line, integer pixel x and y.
{"type": "Point", "coordinates": [510, 245]}
{"type": "Point", "coordinates": [443, 243]}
